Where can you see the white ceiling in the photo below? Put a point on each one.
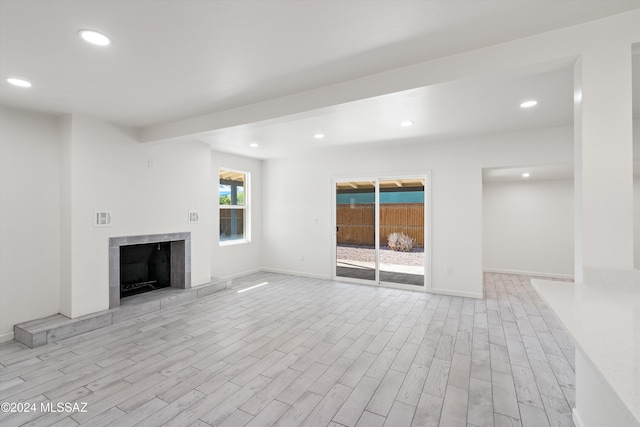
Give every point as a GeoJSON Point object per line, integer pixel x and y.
{"type": "Point", "coordinates": [439, 111]}
{"type": "Point", "coordinates": [176, 59]}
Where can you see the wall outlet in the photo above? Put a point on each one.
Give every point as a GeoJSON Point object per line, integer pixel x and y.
{"type": "Point", "coordinates": [101, 218]}
{"type": "Point", "coordinates": [301, 257]}
{"type": "Point", "coordinates": [449, 270]}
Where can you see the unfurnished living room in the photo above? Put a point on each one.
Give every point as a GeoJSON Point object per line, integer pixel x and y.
{"type": "Point", "coordinates": [320, 213]}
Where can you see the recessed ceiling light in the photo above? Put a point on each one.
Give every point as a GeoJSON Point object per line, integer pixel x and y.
{"type": "Point", "coordinates": [406, 123]}
{"type": "Point", "coordinates": [254, 145]}
{"type": "Point", "coordinates": [95, 37]}
{"type": "Point", "coordinates": [526, 175]}
{"type": "Point", "coordinates": [529, 104]}
{"type": "Point", "coordinates": [577, 97]}
{"type": "Point", "coordinates": [318, 135]}
{"type": "Point", "coordinates": [19, 82]}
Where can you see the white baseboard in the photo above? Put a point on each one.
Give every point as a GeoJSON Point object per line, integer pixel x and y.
{"type": "Point", "coordinates": [455, 293]}
{"type": "Point", "coordinates": [328, 277]}
{"type": "Point", "coordinates": [229, 279]}
{"type": "Point", "coordinates": [6, 337]}
{"type": "Point", "coordinates": [244, 273]}
{"type": "Point", "coordinates": [529, 273]}
{"type": "Point", "coordinates": [267, 270]}
{"type": "Point", "coordinates": [296, 273]}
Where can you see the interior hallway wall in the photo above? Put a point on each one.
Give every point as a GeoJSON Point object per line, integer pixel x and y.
{"type": "Point", "coordinates": [636, 194]}
{"type": "Point", "coordinates": [528, 227]}
{"type": "Point", "coordinates": [636, 217]}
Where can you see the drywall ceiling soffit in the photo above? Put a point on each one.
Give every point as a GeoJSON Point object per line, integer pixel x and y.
{"type": "Point", "coordinates": [175, 59]}
{"type": "Point", "coordinates": [444, 111]}
{"type": "Point", "coordinates": [536, 173]}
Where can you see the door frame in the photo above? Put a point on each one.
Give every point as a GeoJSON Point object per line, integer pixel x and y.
{"type": "Point", "coordinates": [426, 175]}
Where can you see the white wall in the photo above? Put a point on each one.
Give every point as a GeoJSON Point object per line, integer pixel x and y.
{"type": "Point", "coordinates": [65, 126]}
{"type": "Point", "coordinates": [636, 217]}
{"type": "Point", "coordinates": [232, 260]}
{"type": "Point", "coordinates": [110, 171]}
{"type": "Point", "coordinates": [298, 190]}
{"type": "Point", "coordinates": [528, 227]}
{"type": "Point", "coordinates": [29, 218]}
{"type": "Point", "coordinates": [636, 194]}
{"type": "Point", "coordinates": [55, 260]}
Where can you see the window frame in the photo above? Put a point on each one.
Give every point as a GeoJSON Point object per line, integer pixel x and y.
{"type": "Point", "coordinates": [246, 208]}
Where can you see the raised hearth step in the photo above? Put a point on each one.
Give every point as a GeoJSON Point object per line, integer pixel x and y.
{"type": "Point", "coordinates": [36, 333]}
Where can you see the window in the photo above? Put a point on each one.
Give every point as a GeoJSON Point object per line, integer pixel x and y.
{"type": "Point", "coordinates": [233, 206]}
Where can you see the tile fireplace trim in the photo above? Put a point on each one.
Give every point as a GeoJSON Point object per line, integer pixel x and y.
{"type": "Point", "coordinates": [180, 241]}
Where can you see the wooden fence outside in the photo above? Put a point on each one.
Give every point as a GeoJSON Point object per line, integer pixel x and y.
{"type": "Point", "coordinates": [356, 223]}
{"type": "Point", "coordinates": [225, 221]}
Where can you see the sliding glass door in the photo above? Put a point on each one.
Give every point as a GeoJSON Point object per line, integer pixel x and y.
{"type": "Point", "coordinates": [380, 231]}
{"type": "Point", "coordinates": [401, 231]}
{"type": "Point", "coordinates": [356, 229]}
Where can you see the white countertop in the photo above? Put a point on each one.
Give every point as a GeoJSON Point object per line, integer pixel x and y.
{"type": "Point", "coordinates": [605, 323]}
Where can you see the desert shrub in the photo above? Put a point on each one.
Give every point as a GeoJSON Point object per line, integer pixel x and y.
{"type": "Point", "coordinates": [400, 242]}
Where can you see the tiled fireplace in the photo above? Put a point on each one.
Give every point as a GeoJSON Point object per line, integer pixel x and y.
{"type": "Point", "coordinates": [148, 262]}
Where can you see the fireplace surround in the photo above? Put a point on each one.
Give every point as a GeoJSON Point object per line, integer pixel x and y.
{"type": "Point", "coordinates": [178, 247]}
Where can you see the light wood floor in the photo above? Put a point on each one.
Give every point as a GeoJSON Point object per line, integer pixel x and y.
{"type": "Point", "coordinates": [309, 352]}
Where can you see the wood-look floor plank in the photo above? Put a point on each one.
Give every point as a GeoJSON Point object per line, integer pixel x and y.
{"type": "Point", "coordinates": [331, 376]}
{"type": "Point", "coordinates": [413, 385]}
{"type": "Point", "coordinates": [459, 372]}
{"type": "Point", "coordinates": [239, 418]}
{"type": "Point", "coordinates": [369, 419]}
{"type": "Point", "coordinates": [526, 388]}
{"type": "Point", "coordinates": [558, 411]}
{"type": "Point", "coordinates": [505, 401]}
{"type": "Point", "coordinates": [268, 416]}
{"type": "Point", "coordinates": [428, 411]}
{"type": "Point", "coordinates": [299, 410]}
{"type": "Point", "coordinates": [546, 380]}
{"type": "Point", "coordinates": [480, 412]}
{"type": "Point", "coordinates": [327, 407]}
{"type": "Point", "coordinates": [454, 408]}
{"type": "Point", "coordinates": [264, 397]}
{"type": "Point", "coordinates": [352, 409]}
{"type": "Point", "coordinates": [400, 415]}
{"type": "Point", "coordinates": [311, 351]}
{"type": "Point", "coordinates": [302, 383]}
{"type": "Point", "coordinates": [533, 416]}
{"type": "Point", "coordinates": [385, 395]}
{"type": "Point", "coordinates": [436, 383]}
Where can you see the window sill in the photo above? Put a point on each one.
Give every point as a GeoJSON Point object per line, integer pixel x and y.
{"type": "Point", "coordinates": [234, 242]}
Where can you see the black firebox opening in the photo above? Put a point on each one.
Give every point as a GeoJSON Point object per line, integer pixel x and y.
{"type": "Point", "coordinates": [144, 268]}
